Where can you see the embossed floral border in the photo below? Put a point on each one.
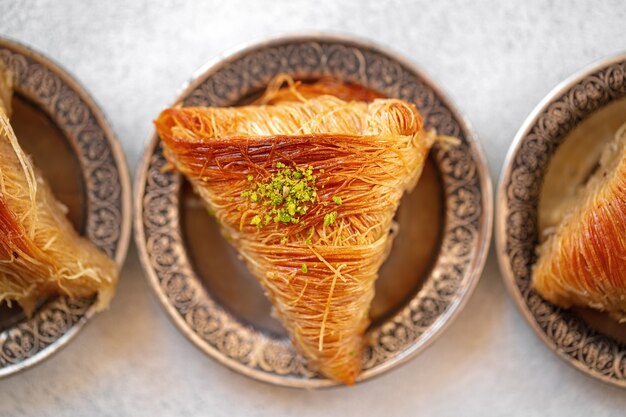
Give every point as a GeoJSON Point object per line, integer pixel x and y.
{"type": "Point", "coordinates": [520, 186]}
{"type": "Point", "coordinates": [467, 219]}
{"type": "Point", "coordinates": [106, 180]}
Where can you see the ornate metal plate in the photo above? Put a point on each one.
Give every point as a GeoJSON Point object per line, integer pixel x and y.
{"type": "Point", "coordinates": [587, 340]}
{"type": "Point", "coordinates": [194, 285]}
{"type": "Point", "coordinates": [59, 124]}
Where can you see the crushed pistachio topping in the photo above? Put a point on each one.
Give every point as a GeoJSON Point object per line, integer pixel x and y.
{"type": "Point", "coordinates": [305, 268]}
{"type": "Point", "coordinates": [284, 196]}
{"type": "Point", "coordinates": [337, 200]}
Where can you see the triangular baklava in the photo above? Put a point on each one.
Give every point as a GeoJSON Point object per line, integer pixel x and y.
{"type": "Point", "coordinates": [305, 185]}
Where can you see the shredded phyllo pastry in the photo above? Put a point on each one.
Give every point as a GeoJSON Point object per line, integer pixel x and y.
{"type": "Point", "coordinates": [584, 262]}
{"type": "Point", "coordinates": [305, 185]}
{"type": "Point", "coordinates": [40, 252]}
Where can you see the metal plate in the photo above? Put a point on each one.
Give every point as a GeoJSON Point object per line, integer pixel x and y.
{"type": "Point", "coordinates": [61, 127]}
{"type": "Point", "coordinates": [571, 123]}
{"type": "Point", "coordinates": [434, 265]}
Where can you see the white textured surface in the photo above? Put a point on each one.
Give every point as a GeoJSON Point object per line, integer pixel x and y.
{"type": "Point", "coordinates": [495, 60]}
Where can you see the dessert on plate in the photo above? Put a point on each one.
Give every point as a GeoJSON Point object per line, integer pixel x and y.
{"type": "Point", "coordinates": [41, 254]}
{"type": "Point", "coordinates": [583, 261]}
{"type": "Point", "coordinates": [305, 183]}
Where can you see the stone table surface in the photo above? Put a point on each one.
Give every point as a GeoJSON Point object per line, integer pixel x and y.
{"type": "Point", "coordinates": [496, 60]}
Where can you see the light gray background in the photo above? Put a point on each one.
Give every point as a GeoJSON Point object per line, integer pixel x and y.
{"type": "Point", "coordinates": [495, 59]}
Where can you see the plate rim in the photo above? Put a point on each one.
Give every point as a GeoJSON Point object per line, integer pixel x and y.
{"type": "Point", "coordinates": [475, 268]}
{"type": "Point", "coordinates": [501, 208]}
{"type": "Point", "coordinates": [125, 193]}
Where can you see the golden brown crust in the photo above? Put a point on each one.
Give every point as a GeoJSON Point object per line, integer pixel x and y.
{"type": "Point", "coordinates": [13, 237]}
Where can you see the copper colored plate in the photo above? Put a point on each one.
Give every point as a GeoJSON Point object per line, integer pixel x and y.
{"type": "Point", "coordinates": [436, 258]}
{"type": "Point", "coordinates": [63, 130]}
{"type": "Point", "coordinates": [554, 152]}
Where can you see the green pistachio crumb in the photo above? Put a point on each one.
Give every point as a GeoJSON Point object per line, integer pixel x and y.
{"type": "Point", "coordinates": [304, 268]}
{"type": "Point", "coordinates": [250, 177]}
{"type": "Point", "coordinates": [256, 221]}
{"type": "Point", "coordinates": [277, 200]}
{"type": "Point", "coordinates": [330, 218]}
{"type": "Point", "coordinates": [337, 200]}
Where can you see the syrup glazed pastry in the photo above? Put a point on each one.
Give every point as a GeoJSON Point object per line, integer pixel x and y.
{"type": "Point", "coordinates": [306, 188]}
{"type": "Point", "coordinates": [40, 252]}
{"type": "Point", "coordinates": [584, 262]}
